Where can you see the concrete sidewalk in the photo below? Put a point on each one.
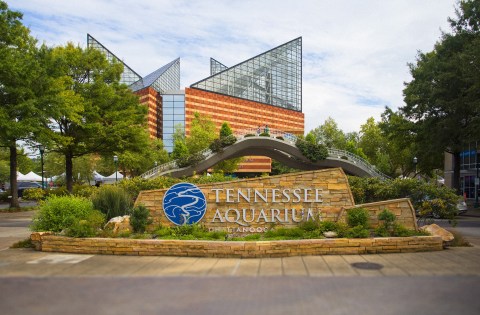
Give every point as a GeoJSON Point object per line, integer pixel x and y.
{"type": "Point", "coordinates": [29, 263]}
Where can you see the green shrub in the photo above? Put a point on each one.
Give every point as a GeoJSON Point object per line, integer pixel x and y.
{"type": "Point", "coordinates": [312, 151]}
{"type": "Point", "coordinates": [112, 201]}
{"type": "Point", "coordinates": [425, 197]}
{"type": "Point", "coordinates": [248, 135]}
{"type": "Point", "coordinates": [331, 226]}
{"type": "Point", "coordinates": [59, 191]}
{"type": "Point", "coordinates": [358, 217]}
{"type": "Point", "coordinates": [84, 190]}
{"type": "Point", "coordinates": [58, 213]}
{"type": "Point", "coordinates": [264, 134]}
{"type": "Point", "coordinates": [4, 196]}
{"type": "Point", "coordinates": [88, 227]}
{"type": "Point", "coordinates": [280, 138]}
{"type": "Point", "coordinates": [34, 194]}
{"type": "Point", "coordinates": [192, 159]}
{"type": "Point", "coordinates": [357, 232]}
{"type": "Point", "coordinates": [140, 218]}
{"type": "Point", "coordinates": [387, 219]}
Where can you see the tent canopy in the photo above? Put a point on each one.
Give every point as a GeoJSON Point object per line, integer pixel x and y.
{"type": "Point", "coordinates": [32, 177]}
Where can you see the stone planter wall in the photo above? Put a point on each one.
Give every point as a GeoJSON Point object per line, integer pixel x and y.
{"type": "Point", "coordinates": [261, 249]}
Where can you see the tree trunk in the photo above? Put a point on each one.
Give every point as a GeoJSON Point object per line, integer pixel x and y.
{"type": "Point", "coordinates": [69, 171]}
{"type": "Point", "coordinates": [13, 177]}
{"type": "Point", "coordinates": [456, 172]}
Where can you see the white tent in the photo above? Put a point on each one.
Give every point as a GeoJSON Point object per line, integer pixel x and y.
{"type": "Point", "coordinates": [119, 176]}
{"type": "Point", "coordinates": [97, 176]}
{"type": "Point", "coordinates": [30, 177]}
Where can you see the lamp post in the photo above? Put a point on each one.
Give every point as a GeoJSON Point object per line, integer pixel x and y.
{"type": "Point", "coordinates": [415, 161]}
{"type": "Point", "coordinates": [115, 160]}
{"type": "Point", "coordinates": [41, 148]}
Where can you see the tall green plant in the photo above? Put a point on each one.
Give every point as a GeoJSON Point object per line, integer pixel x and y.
{"type": "Point", "coordinates": [113, 201]}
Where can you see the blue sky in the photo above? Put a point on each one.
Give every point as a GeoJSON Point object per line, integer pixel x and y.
{"type": "Point", "coordinates": [355, 53]}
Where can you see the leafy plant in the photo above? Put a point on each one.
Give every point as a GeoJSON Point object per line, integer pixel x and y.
{"type": "Point", "coordinates": [358, 217]}
{"type": "Point", "coordinates": [88, 227]}
{"type": "Point", "coordinates": [113, 201]}
{"type": "Point", "coordinates": [34, 194]}
{"type": "Point", "coordinates": [357, 231]}
{"type": "Point", "coordinates": [140, 218]}
{"type": "Point", "coordinates": [312, 151]}
{"type": "Point", "coordinates": [58, 213]}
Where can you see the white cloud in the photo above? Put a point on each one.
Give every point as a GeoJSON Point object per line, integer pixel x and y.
{"type": "Point", "coordinates": [355, 52]}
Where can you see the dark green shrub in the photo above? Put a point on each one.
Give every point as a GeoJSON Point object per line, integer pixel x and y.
{"type": "Point", "coordinates": [59, 213]}
{"type": "Point", "coordinates": [34, 194]}
{"type": "Point", "coordinates": [264, 134]}
{"type": "Point", "coordinates": [192, 159]}
{"type": "Point", "coordinates": [309, 225]}
{"type": "Point", "coordinates": [331, 226]}
{"type": "Point", "coordinates": [427, 198]}
{"type": "Point", "coordinates": [358, 217]}
{"type": "Point", "coordinates": [140, 218]}
{"type": "Point", "coordinates": [312, 151]}
{"type": "Point", "coordinates": [216, 145]}
{"type": "Point", "coordinates": [113, 201]}
{"type": "Point", "coordinates": [280, 138]}
{"type": "Point", "coordinates": [387, 219]}
{"type": "Point", "coordinates": [357, 232]}
{"type": "Point", "coordinates": [249, 135]}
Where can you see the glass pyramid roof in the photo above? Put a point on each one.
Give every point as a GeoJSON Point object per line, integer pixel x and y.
{"type": "Point", "coordinates": [128, 76]}
{"type": "Point", "coordinates": [216, 66]}
{"type": "Point", "coordinates": [166, 78]}
{"type": "Point", "coordinates": [273, 77]}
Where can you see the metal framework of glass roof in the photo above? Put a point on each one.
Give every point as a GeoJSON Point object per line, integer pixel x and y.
{"type": "Point", "coordinates": [128, 75]}
{"type": "Point", "coordinates": [166, 78]}
{"type": "Point", "coordinates": [273, 77]}
{"type": "Point", "coordinates": [216, 66]}
{"type": "Point", "coordinates": [163, 79]}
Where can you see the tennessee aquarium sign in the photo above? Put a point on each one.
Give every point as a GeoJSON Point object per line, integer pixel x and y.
{"type": "Point", "coordinates": [184, 203]}
{"type": "Point", "coordinates": [243, 210]}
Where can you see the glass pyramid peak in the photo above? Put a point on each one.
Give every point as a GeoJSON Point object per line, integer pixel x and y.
{"type": "Point", "coordinates": [273, 77]}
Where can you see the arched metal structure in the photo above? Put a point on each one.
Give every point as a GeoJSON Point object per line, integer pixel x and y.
{"type": "Point", "coordinates": [282, 150]}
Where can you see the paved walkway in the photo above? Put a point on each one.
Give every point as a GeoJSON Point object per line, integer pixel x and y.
{"type": "Point", "coordinates": [455, 261]}
{"type": "Point", "coordinates": [30, 263]}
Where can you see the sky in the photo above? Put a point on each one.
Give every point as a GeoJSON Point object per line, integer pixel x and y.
{"type": "Point", "coordinates": [355, 52]}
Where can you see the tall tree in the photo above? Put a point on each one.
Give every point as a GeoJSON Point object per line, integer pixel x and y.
{"type": "Point", "coordinates": [330, 135]}
{"type": "Point", "coordinates": [443, 98]}
{"type": "Point", "coordinates": [202, 133]}
{"type": "Point", "coordinates": [92, 111]}
{"type": "Point", "coordinates": [22, 83]}
{"type": "Point", "coordinates": [230, 165]}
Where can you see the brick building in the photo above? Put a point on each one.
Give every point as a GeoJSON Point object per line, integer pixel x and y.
{"type": "Point", "coordinates": [265, 90]}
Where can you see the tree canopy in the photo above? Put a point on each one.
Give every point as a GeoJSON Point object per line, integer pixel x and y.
{"type": "Point", "coordinates": [443, 98]}
{"type": "Point", "coordinates": [92, 112]}
{"type": "Point", "coordinates": [22, 86]}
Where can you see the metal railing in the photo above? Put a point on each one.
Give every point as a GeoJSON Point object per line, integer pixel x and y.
{"type": "Point", "coordinates": [287, 137]}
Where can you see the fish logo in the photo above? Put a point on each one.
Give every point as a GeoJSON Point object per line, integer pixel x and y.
{"type": "Point", "coordinates": [184, 203]}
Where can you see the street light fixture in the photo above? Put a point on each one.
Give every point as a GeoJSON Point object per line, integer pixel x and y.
{"type": "Point", "coordinates": [41, 148]}
{"type": "Point", "coordinates": [115, 160]}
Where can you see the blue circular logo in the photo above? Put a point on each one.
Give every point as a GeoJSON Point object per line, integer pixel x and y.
{"type": "Point", "coordinates": [184, 203]}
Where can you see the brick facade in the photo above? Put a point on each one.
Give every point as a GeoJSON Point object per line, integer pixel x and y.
{"type": "Point", "coordinates": [153, 101]}
{"type": "Point", "coordinates": [242, 114]}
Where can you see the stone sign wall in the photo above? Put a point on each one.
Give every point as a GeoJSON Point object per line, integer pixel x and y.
{"type": "Point", "coordinates": [255, 205]}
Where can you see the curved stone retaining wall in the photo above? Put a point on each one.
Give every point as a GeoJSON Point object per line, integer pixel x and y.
{"type": "Point", "coordinates": [260, 249]}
